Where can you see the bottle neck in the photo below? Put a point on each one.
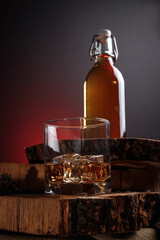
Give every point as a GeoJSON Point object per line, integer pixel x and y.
{"type": "Point", "coordinates": [100, 59]}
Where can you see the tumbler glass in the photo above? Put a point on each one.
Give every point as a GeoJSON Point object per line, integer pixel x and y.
{"type": "Point", "coordinates": [76, 156]}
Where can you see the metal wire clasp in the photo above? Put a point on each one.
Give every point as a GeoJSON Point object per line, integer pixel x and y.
{"type": "Point", "coordinates": [115, 48]}
{"type": "Point", "coordinates": [96, 47]}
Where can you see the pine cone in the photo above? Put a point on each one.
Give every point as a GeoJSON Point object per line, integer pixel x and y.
{"type": "Point", "coordinates": [7, 185]}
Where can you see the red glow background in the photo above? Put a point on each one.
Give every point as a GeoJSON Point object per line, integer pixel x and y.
{"type": "Point", "coordinates": [44, 61]}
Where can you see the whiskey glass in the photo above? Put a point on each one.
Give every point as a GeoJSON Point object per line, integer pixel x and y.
{"type": "Point", "coordinates": [76, 156]}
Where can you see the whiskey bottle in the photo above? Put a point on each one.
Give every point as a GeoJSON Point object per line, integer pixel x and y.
{"type": "Point", "coordinates": [104, 90]}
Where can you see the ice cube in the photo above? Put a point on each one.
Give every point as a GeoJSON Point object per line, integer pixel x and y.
{"type": "Point", "coordinates": [93, 168]}
{"type": "Point", "coordinates": [57, 159]}
{"type": "Point", "coordinates": [69, 156]}
{"type": "Point", "coordinates": [65, 157]}
{"type": "Point", "coordinates": [87, 174]}
{"type": "Point", "coordinates": [96, 158]}
{"type": "Point", "coordinates": [72, 168]}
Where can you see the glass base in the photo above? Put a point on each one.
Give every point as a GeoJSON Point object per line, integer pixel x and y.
{"type": "Point", "coordinates": [79, 188]}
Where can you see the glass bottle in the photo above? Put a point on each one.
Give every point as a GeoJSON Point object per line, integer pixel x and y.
{"type": "Point", "coordinates": [104, 90]}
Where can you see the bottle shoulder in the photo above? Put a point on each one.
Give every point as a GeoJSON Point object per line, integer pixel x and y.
{"type": "Point", "coordinates": [101, 68]}
{"type": "Point", "coordinates": [105, 71]}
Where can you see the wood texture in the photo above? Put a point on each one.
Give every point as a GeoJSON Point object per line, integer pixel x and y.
{"type": "Point", "coordinates": [135, 167]}
{"type": "Point", "coordinates": [126, 176]}
{"type": "Point", "coordinates": [28, 177]}
{"type": "Point", "coordinates": [75, 216]}
{"type": "Point", "coordinates": [133, 175]}
{"type": "Point", "coordinates": [120, 149]}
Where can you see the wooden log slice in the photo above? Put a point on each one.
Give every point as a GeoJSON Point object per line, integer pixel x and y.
{"type": "Point", "coordinates": [76, 216]}
{"type": "Point", "coordinates": [120, 149]}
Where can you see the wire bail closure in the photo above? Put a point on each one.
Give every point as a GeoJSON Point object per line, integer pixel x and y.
{"type": "Point", "coordinates": [98, 49]}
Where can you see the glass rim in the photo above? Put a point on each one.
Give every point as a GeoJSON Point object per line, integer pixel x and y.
{"type": "Point", "coordinates": [102, 122]}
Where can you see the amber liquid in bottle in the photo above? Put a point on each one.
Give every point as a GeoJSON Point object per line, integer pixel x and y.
{"type": "Point", "coordinates": [104, 95]}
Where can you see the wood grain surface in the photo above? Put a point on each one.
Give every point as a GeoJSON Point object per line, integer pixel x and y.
{"type": "Point", "coordinates": [78, 216]}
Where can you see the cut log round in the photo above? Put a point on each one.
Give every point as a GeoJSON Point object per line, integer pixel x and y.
{"type": "Point", "coordinates": [75, 216]}
{"type": "Point", "coordinates": [120, 149]}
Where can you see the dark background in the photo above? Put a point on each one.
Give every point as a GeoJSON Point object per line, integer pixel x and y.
{"type": "Point", "coordinates": [44, 62]}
